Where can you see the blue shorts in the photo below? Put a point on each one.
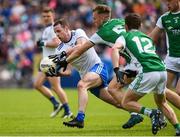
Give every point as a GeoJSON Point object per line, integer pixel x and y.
{"type": "Point", "coordinates": [102, 71]}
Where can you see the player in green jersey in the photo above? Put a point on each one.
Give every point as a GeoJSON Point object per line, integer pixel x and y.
{"type": "Point", "coordinates": [151, 77]}
{"type": "Point", "coordinates": [170, 23]}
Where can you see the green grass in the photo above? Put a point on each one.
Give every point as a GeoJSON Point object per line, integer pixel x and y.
{"type": "Point", "coordinates": [26, 112]}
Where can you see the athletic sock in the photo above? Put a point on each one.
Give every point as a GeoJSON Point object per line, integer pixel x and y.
{"type": "Point", "coordinates": [133, 113]}
{"type": "Point", "coordinates": [146, 111]}
{"type": "Point", "coordinates": [66, 108]}
{"type": "Point", "coordinates": [177, 126]}
{"type": "Point", "coordinates": [53, 101]}
{"type": "Point", "coordinates": [80, 116]}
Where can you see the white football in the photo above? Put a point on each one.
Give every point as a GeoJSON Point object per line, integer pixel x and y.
{"type": "Point", "coordinates": [46, 64]}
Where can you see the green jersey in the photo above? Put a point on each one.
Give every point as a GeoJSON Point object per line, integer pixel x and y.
{"type": "Point", "coordinates": [108, 32]}
{"type": "Point", "coordinates": [141, 48]}
{"type": "Point", "coordinates": [170, 22]}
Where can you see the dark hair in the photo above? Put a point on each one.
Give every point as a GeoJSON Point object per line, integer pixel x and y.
{"type": "Point", "coordinates": [47, 9]}
{"type": "Point", "coordinates": [100, 9]}
{"type": "Point", "coordinates": [133, 21]}
{"type": "Point", "coordinates": [62, 22]}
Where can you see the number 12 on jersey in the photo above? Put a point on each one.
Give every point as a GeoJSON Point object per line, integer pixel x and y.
{"type": "Point", "coordinates": [144, 45]}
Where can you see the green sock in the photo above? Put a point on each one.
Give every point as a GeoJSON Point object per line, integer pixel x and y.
{"type": "Point", "coordinates": [177, 126]}
{"type": "Point", "coordinates": [146, 111]}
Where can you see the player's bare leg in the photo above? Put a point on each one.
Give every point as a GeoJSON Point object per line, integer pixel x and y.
{"type": "Point", "coordinates": [115, 89]}
{"type": "Point", "coordinates": [55, 83]}
{"type": "Point", "coordinates": [178, 86]}
{"type": "Point", "coordinates": [167, 111]}
{"type": "Point", "coordinates": [130, 103]}
{"type": "Point", "coordinates": [173, 98]}
{"type": "Point", "coordinates": [171, 76]}
{"type": "Point", "coordinates": [90, 80]}
{"type": "Point", "coordinates": [38, 84]}
{"type": "Point", "coordinates": [106, 97]}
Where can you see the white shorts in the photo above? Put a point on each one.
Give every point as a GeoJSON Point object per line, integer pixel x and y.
{"type": "Point", "coordinates": [147, 82]}
{"type": "Point", "coordinates": [172, 63]}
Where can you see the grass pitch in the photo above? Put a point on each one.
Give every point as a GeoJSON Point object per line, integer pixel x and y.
{"type": "Point", "coordinates": [26, 112]}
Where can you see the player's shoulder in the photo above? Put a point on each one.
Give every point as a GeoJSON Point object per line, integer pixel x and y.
{"type": "Point", "coordinates": [79, 30]}
{"type": "Point", "coordinates": [114, 21]}
{"type": "Point", "coordinates": [165, 14]}
{"type": "Point", "coordinates": [133, 33]}
{"type": "Point", "coordinates": [80, 33]}
{"type": "Point", "coordinates": [49, 28]}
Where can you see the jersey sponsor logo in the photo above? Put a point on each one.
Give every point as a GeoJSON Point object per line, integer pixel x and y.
{"type": "Point", "coordinates": [170, 27]}
{"type": "Point", "coordinates": [167, 21]}
{"type": "Point", "coordinates": [176, 31]}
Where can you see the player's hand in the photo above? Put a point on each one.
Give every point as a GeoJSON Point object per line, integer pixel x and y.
{"type": "Point", "coordinates": [60, 60]}
{"type": "Point", "coordinates": [57, 57]}
{"type": "Point", "coordinates": [120, 75]}
{"type": "Point", "coordinates": [52, 73]}
{"type": "Point", "coordinates": [62, 64]}
{"type": "Point", "coordinates": [40, 43]}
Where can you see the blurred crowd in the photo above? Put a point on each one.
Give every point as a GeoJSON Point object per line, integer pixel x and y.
{"type": "Point", "coordinates": [21, 27]}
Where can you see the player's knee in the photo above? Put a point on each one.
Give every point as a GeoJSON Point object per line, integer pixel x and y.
{"type": "Point", "coordinates": [36, 85]}
{"type": "Point", "coordinates": [81, 85]}
{"type": "Point", "coordinates": [124, 104]}
{"type": "Point", "coordinates": [56, 87]}
{"type": "Point", "coordinates": [178, 91]}
{"type": "Point", "coordinates": [161, 103]}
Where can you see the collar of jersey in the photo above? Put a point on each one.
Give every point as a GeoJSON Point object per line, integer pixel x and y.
{"type": "Point", "coordinates": [49, 24]}
{"type": "Point", "coordinates": [175, 12]}
{"type": "Point", "coordinates": [134, 30]}
{"type": "Point", "coordinates": [72, 33]}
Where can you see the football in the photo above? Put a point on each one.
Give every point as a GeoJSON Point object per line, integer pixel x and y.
{"type": "Point", "coordinates": [46, 63]}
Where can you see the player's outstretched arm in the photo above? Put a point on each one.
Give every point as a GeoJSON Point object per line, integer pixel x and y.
{"type": "Point", "coordinates": [53, 43]}
{"type": "Point", "coordinates": [115, 60]}
{"type": "Point", "coordinates": [79, 50]}
{"type": "Point", "coordinates": [115, 54]}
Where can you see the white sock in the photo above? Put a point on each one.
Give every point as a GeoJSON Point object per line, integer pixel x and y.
{"type": "Point", "coordinates": [147, 112]}
{"type": "Point", "coordinates": [133, 113]}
